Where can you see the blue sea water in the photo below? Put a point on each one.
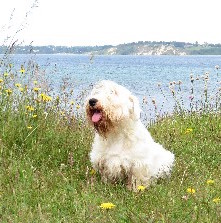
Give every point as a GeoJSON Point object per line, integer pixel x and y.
{"type": "Point", "coordinates": [140, 74]}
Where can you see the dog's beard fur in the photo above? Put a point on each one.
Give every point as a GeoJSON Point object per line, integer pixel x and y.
{"type": "Point", "coordinates": [104, 125]}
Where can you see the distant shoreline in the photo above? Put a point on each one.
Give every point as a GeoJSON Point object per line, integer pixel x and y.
{"type": "Point", "coordinates": [146, 48]}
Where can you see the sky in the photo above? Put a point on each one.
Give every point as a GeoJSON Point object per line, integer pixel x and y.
{"type": "Point", "coordinates": [109, 22]}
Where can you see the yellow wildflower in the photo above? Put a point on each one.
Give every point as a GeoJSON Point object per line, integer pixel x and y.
{"type": "Point", "coordinates": [210, 182]}
{"type": "Point", "coordinates": [107, 206]}
{"type": "Point", "coordinates": [188, 130]}
{"type": "Point", "coordinates": [29, 127]}
{"type": "Point", "coordinates": [93, 171]}
{"type": "Point", "coordinates": [191, 191]}
{"type": "Point", "coordinates": [9, 91]}
{"type": "Point", "coordinates": [36, 89]}
{"type": "Point", "coordinates": [35, 82]}
{"type": "Point", "coordinates": [141, 188]}
{"type": "Point", "coordinates": [78, 106]}
{"type": "Point", "coordinates": [21, 89]}
{"type": "Point", "coordinates": [22, 70]}
{"type": "Point", "coordinates": [17, 85]}
{"type": "Point", "coordinates": [216, 200]}
{"type": "Point", "coordinates": [45, 97]}
{"type": "Point", "coordinates": [5, 74]}
{"type": "Point", "coordinates": [72, 102]}
{"type": "Point", "coordinates": [29, 108]}
{"type": "Point", "coordinates": [10, 65]}
{"type": "Point", "coordinates": [1, 81]}
{"type": "Point", "coordinates": [34, 116]}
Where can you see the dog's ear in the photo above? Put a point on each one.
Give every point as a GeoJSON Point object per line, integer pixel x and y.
{"type": "Point", "coordinates": [135, 111]}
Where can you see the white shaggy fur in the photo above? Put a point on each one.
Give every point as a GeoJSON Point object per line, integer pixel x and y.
{"type": "Point", "coordinates": [123, 149]}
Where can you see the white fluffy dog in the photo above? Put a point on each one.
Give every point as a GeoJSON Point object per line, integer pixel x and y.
{"type": "Point", "coordinates": [123, 149]}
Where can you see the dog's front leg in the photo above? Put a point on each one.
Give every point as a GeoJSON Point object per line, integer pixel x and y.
{"type": "Point", "coordinates": [136, 179]}
{"type": "Point", "coordinates": [102, 171]}
{"type": "Point", "coordinates": [131, 181]}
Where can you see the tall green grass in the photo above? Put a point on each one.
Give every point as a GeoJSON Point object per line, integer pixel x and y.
{"type": "Point", "coordinates": [46, 175]}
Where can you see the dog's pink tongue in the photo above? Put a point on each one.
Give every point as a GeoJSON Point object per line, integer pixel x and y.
{"type": "Point", "coordinates": [96, 117]}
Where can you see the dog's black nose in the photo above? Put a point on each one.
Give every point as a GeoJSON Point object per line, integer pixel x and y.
{"type": "Point", "coordinates": [92, 102]}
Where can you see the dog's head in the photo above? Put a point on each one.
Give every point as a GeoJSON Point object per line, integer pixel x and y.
{"type": "Point", "coordinates": [110, 104]}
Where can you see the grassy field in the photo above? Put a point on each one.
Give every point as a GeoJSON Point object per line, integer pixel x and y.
{"type": "Point", "coordinates": [46, 175]}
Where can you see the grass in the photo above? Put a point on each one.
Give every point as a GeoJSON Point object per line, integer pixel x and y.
{"type": "Point", "coordinates": [46, 175]}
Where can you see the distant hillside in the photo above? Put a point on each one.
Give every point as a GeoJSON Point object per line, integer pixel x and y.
{"type": "Point", "coordinates": [135, 48]}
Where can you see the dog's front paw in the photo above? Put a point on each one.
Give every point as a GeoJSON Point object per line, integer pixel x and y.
{"type": "Point", "coordinates": [135, 184]}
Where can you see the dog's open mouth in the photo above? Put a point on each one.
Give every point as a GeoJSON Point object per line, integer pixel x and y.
{"type": "Point", "coordinates": [96, 116]}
